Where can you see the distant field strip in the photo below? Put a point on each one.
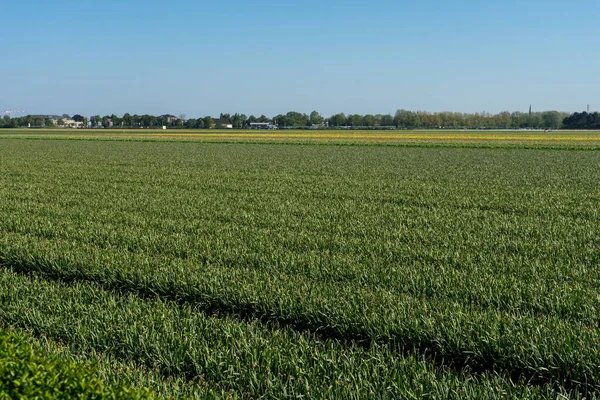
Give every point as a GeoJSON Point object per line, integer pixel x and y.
{"type": "Point", "coordinates": [261, 270]}
{"type": "Point", "coordinates": [493, 138]}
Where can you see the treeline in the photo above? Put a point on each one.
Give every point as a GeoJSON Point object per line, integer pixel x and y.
{"type": "Point", "coordinates": [582, 120]}
{"type": "Point", "coordinates": [403, 119]}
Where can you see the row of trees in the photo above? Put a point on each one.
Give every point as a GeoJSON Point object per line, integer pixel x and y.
{"type": "Point", "coordinates": [414, 120]}
{"type": "Point", "coordinates": [127, 120]}
{"type": "Point", "coordinates": [582, 120]}
{"type": "Point", "coordinates": [402, 119]}
{"type": "Point", "coordinates": [503, 120]}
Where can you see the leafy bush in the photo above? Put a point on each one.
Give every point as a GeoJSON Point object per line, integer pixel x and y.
{"type": "Point", "coordinates": [26, 373]}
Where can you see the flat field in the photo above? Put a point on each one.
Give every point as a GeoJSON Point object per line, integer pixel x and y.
{"type": "Point", "coordinates": [435, 138]}
{"type": "Point", "coordinates": [247, 270]}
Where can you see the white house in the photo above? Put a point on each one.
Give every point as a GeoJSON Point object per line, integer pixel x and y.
{"type": "Point", "coordinates": [223, 123]}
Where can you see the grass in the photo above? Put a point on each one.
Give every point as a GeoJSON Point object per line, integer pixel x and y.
{"type": "Point", "coordinates": [361, 271]}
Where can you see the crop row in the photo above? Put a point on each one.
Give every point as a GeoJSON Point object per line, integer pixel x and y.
{"type": "Point", "coordinates": [542, 349]}
{"type": "Point", "coordinates": [529, 271]}
{"type": "Point", "coordinates": [490, 139]}
{"type": "Point", "coordinates": [222, 356]}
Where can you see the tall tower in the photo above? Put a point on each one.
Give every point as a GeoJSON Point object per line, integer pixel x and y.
{"type": "Point", "coordinates": [530, 109]}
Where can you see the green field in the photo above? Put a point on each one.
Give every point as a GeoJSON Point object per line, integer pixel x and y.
{"type": "Point", "coordinates": [266, 270]}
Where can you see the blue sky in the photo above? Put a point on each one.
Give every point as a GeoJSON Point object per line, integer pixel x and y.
{"type": "Point", "coordinates": [267, 57]}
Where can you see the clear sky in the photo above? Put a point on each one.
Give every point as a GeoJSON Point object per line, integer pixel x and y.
{"type": "Point", "coordinates": [267, 57]}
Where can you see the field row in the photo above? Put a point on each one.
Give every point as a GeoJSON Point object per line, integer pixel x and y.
{"type": "Point", "coordinates": [538, 348]}
{"type": "Point", "coordinates": [509, 138]}
{"type": "Point", "coordinates": [220, 356]}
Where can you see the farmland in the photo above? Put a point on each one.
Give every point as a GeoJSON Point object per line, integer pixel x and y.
{"type": "Point", "coordinates": [434, 138]}
{"type": "Point", "coordinates": [431, 265]}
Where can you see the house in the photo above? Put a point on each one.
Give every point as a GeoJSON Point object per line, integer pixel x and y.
{"type": "Point", "coordinates": [262, 125]}
{"type": "Point", "coordinates": [223, 123]}
{"type": "Point", "coordinates": [323, 124]}
{"type": "Point", "coordinates": [71, 123]}
{"type": "Point", "coordinates": [168, 118]}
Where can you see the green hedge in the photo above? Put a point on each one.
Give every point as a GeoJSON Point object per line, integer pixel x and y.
{"type": "Point", "coordinates": [26, 373]}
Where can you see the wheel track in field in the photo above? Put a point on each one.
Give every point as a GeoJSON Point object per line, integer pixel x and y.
{"type": "Point", "coordinates": [246, 312]}
{"type": "Point", "coordinates": [468, 300]}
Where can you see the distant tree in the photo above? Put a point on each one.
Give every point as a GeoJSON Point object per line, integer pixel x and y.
{"type": "Point", "coordinates": [38, 121]}
{"type": "Point", "coordinates": [48, 123]}
{"type": "Point", "coordinates": [338, 120]}
{"type": "Point", "coordinates": [66, 116]}
{"type": "Point", "coordinates": [225, 116]}
{"type": "Point", "coordinates": [127, 120]}
{"type": "Point", "coordinates": [355, 120]}
{"type": "Point", "coordinates": [252, 118]}
{"type": "Point", "coordinates": [236, 120]}
{"type": "Point", "coordinates": [78, 118]}
{"type": "Point", "coordinates": [59, 123]}
{"type": "Point", "coordinates": [263, 118]}
{"type": "Point", "coordinates": [293, 118]}
{"type": "Point", "coordinates": [95, 119]}
{"type": "Point", "coordinates": [594, 121]}
{"type": "Point", "coordinates": [552, 119]}
{"type": "Point", "coordinates": [243, 121]}
{"type": "Point", "coordinates": [280, 120]}
{"type": "Point", "coordinates": [535, 120]}
{"type": "Point", "coordinates": [116, 120]}
{"type": "Point", "coordinates": [191, 123]}
{"type": "Point", "coordinates": [182, 116]}
{"type": "Point", "coordinates": [148, 120]}
{"type": "Point", "coordinates": [200, 123]}
{"type": "Point", "coordinates": [503, 120]}
{"type": "Point", "coordinates": [435, 120]}
{"type": "Point", "coordinates": [582, 120]}
{"type": "Point", "coordinates": [368, 120]}
{"type": "Point", "coordinates": [7, 122]}
{"type": "Point", "coordinates": [16, 122]}
{"type": "Point", "coordinates": [386, 120]}
{"type": "Point", "coordinates": [410, 119]}
{"type": "Point", "coordinates": [518, 119]}
{"type": "Point", "coordinates": [208, 122]}
{"type": "Point", "coordinates": [316, 118]}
